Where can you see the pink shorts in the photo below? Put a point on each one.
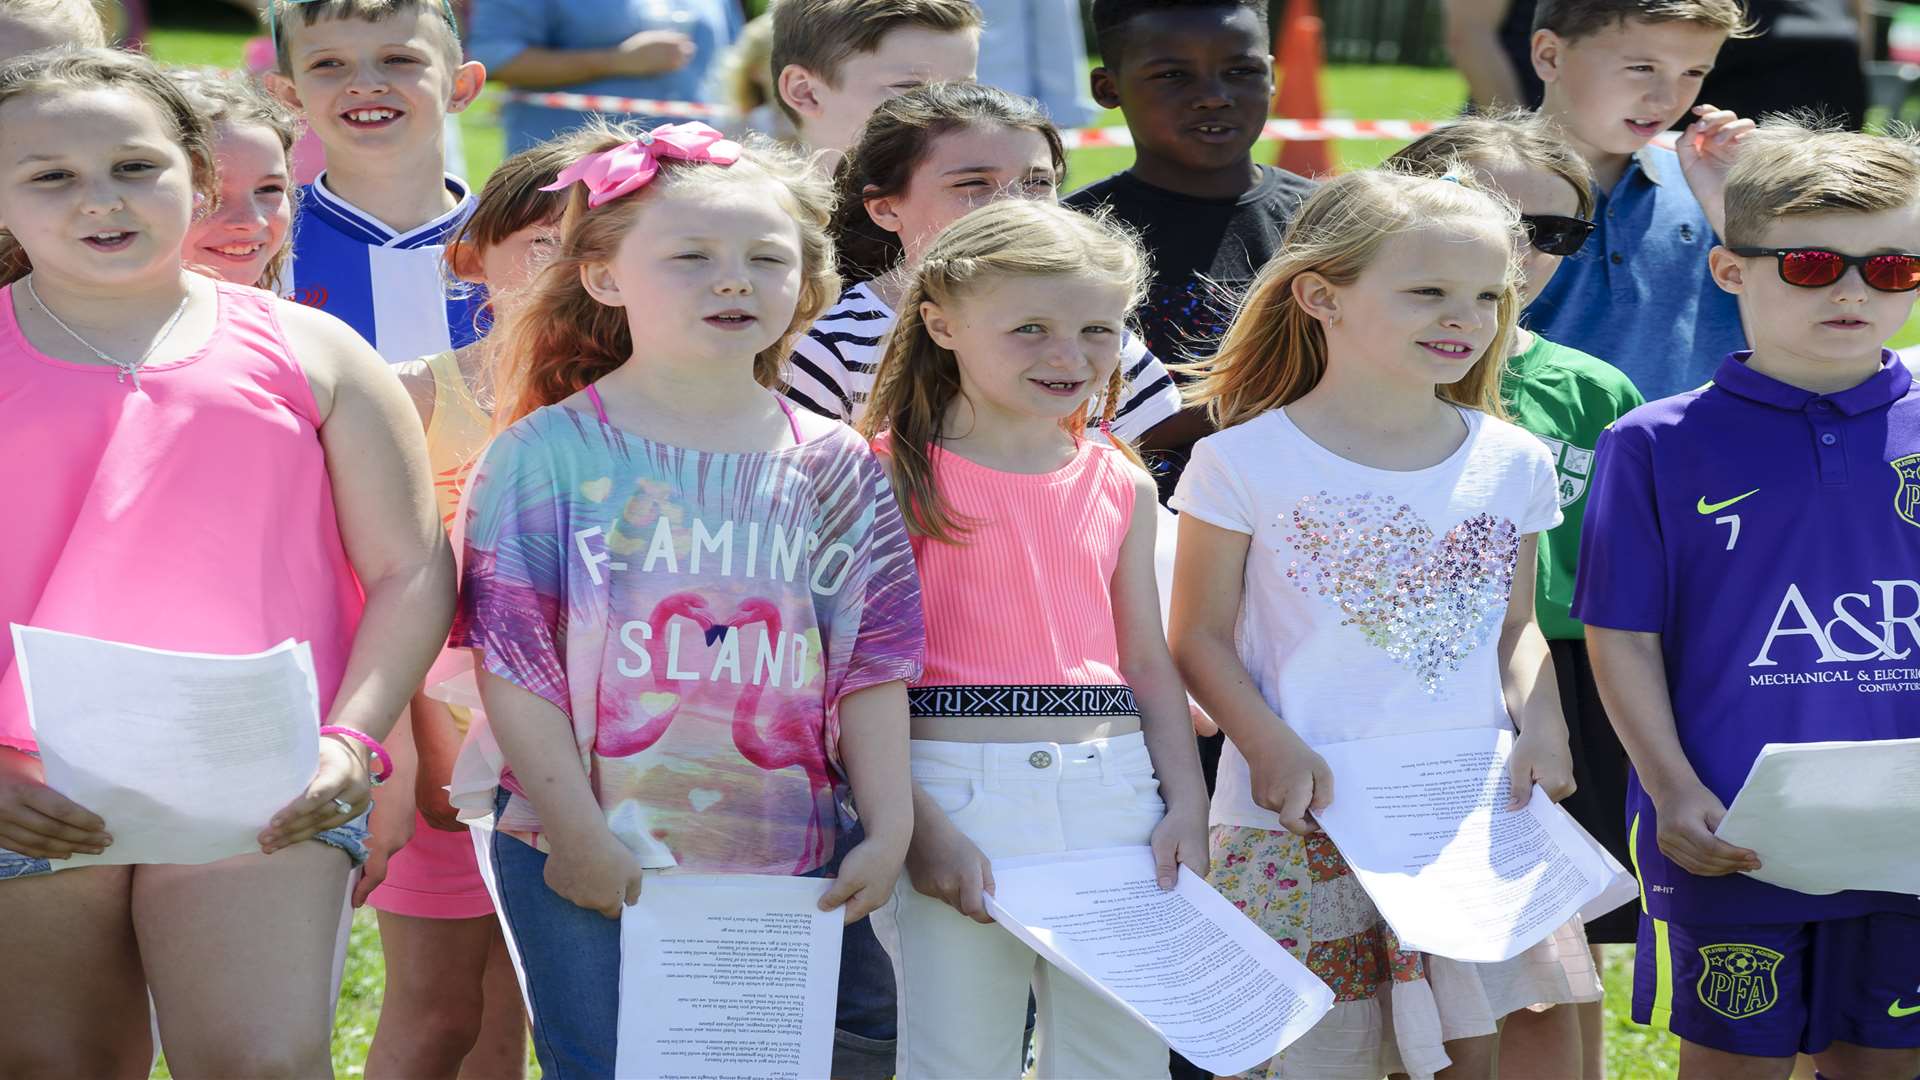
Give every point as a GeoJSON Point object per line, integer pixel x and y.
{"type": "Point", "coordinates": [434, 877]}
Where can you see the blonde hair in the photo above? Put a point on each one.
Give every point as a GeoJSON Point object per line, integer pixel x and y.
{"type": "Point", "coordinates": [230, 99]}
{"type": "Point", "coordinates": [1508, 137]}
{"type": "Point", "coordinates": [558, 338]}
{"type": "Point", "coordinates": [919, 379]}
{"type": "Point", "coordinates": [1275, 352]}
{"type": "Point", "coordinates": [78, 21]}
{"type": "Point", "coordinates": [747, 66]}
{"type": "Point", "coordinates": [1794, 166]}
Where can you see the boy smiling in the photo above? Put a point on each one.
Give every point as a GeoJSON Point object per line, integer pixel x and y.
{"type": "Point", "coordinates": [1617, 73]}
{"type": "Point", "coordinates": [1193, 81]}
{"type": "Point", "coordinates": [376, 80]}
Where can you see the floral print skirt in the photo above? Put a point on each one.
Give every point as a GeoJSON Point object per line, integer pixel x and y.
{"type": "Point", "coordinates": [1393, 1009]}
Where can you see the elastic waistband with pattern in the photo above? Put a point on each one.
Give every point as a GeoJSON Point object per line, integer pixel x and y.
{"type": "Point", "coordinates": [1022, 701]}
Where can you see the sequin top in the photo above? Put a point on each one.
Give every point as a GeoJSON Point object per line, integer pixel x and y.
{"type": "Point", "coordinates": [1373, 598]}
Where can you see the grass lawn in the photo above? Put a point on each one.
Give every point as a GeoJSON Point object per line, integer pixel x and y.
{"type": "Point", "coordinates": [1633, 1052]}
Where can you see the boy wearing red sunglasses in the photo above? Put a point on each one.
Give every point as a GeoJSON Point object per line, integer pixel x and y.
{"type": "Point", "coordinates": [1748, 576]}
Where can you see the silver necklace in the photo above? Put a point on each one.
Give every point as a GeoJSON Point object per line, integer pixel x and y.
{"type": "Point", "coordinates": [123, 367]}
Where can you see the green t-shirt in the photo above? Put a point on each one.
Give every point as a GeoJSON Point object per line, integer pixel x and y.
{"type": "Point", "coordinates": [1565, 398]}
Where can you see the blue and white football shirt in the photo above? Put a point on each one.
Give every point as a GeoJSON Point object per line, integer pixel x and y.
{"type": "Point", "coordinates": [392, 287]}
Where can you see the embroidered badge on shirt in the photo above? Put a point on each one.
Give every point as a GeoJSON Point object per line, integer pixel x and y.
{"type": "Point", "coordinates": [1906, 499]}
{"type": "Point", "coordinates": [1571, 465]}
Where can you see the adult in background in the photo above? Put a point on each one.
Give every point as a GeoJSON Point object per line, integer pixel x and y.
{"type": "Point", "coordinates": [662, 50]}
{"type": "Point", "coordinates": [1038, 49]}
{"type": "Point", "coordinates": [1821, 42]}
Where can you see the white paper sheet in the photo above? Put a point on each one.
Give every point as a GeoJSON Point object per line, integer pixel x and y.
{"type": "Point", "coordinates": [1422, 820]}
{"type": "Point", "coordinates": [186, 756]}
{"type": "Point", "coordinates": [1800, 796]}
{"type": "Point", "coordinates": [1184, 962]}
{"type": "Point", "coordinates": [728, 977]}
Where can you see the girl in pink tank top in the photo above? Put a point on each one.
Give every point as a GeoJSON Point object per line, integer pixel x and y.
{"type": "Point", "coordinates": [193, 466]}
{"type": "Point", "coordinates": [1049, 717]}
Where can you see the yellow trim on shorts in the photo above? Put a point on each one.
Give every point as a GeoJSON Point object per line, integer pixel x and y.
{"type": "Point", "coordinates": [1661, 1015]}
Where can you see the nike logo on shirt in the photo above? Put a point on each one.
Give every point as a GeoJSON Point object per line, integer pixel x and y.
{"type": "Point", "coordinates": [1706, 507]}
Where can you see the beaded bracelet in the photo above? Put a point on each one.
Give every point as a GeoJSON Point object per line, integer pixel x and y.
{"type": "Point", "coordinates": [373, 746]}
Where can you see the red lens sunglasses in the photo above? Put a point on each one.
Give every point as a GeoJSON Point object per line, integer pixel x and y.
{"type": "Point", "coordinates": [1816, 268]}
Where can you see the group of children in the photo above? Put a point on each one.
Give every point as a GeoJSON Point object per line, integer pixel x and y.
{"type": "Point", "coordinates": [804, 509]}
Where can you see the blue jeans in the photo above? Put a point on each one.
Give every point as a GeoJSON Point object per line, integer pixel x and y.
{"type": "Point", "coordinates": [571, 957]}
{"type": "Point", "coordinates": [350, 838]}
{"type": "Point", "coordinates": [864, 1029]}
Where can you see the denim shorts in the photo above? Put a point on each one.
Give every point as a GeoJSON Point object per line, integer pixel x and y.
{"type": "Point", "coordinates": [350, 838]}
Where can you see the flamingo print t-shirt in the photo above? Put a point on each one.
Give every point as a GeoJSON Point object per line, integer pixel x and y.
{"type": "Point", "coordinates": [1374, 598]}
{"type": "Point", "coordinates": [698, 616]}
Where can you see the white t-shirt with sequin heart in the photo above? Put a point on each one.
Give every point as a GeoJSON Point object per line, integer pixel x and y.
{"type": "Point", "coordinates": [1373, 598]}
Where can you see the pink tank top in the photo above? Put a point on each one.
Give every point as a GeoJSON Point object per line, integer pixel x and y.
{"type": "Point", "coordinates": [192, 513]}
{"type": "Point", "coordinates": [1020, 613]}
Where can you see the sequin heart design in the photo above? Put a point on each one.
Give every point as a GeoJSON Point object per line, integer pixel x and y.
{"type": "Point", "coordinates": [597, 490]}
{"type": "Point", "coordinates": [1426, 602]}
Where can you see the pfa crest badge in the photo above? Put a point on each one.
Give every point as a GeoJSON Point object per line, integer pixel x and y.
{"type": "Point", "coordinates": [1737, 981]}
{"type": "Point", "coordinates": [1907, 499]}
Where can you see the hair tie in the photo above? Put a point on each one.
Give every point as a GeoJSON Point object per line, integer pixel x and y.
{"type": "Point", "coordinates": [627, 168]}
{"type": "Point", "coordinates": [1451, 177]}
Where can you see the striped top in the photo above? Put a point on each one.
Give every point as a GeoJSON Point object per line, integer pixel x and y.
{"type": "Point", "coordinates": [392, 287]}
{"type": "Point", "coordinates": [1049, 543]}
{"type": "Point", "coordinates": [834, 364]}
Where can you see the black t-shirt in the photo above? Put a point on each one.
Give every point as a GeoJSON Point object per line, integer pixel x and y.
{"type": "Point", "coordinates": [1205, 252]}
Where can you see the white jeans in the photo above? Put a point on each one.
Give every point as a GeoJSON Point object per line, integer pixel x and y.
{"type": "Point", "coordinates": [963, 985]}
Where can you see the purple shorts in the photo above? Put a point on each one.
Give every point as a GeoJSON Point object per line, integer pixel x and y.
{"type": "Point", "coordinates": [1777, 989]}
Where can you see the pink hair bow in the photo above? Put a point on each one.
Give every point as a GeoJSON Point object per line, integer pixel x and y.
{"type": "Point", "coordinates": [629, 167]}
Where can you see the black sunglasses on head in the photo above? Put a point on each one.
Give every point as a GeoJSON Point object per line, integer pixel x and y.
{"type": "Point", "coordinates": [1817, 268]}
{"type": "Point", "coordinates": [1556, 234]}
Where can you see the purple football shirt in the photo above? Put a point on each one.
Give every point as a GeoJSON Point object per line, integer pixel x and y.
{"type": "Point", "coordinates": [1771, 536]}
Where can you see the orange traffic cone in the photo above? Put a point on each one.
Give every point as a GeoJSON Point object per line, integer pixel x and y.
{"type": "Point", "coordinates": [1297, 48]}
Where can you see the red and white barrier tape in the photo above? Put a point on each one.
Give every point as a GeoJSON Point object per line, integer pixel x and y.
{"type": "Point", "coordinates": [1291, 130]}
{"type": "Point", "coordinates": [608, 103]}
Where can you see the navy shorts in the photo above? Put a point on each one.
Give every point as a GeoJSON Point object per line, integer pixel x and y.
{"type": "Point", "coordinates": [350, 838]}
{"type": "Point", "coordinates": [1774, 990]}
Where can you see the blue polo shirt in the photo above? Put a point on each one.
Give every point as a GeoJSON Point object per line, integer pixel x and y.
{"type": "Point", "coordinates": [1771, 536]}
{"type": "Point", "coordinates": [503, 29]}
{"type": "Point", "coordinates": [392, 287]}
{"type": "Point", "coordinates": [1638, 295]}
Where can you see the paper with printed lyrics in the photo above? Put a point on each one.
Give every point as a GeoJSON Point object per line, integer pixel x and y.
{"type": "Point", "coordinates": [1829, 816]}
{"type": "Point", "coordinates": [1422, 820]}
{"type": "Point", "coordinates": [185, 756]}
{"type": "Point", "coordinates": [728, 977]}
{"type": "Point", "coordinates": [1184, 961]}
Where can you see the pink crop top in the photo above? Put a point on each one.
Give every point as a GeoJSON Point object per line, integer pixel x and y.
{"type": "Point", "coordinates": [1020, 613]}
